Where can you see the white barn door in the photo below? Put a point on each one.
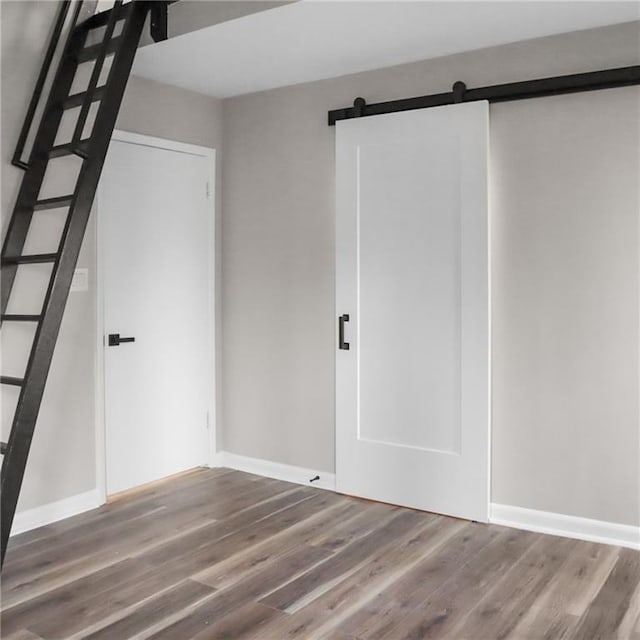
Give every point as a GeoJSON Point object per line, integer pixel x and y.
{"type": "Point", "coordinates": [412, 389]}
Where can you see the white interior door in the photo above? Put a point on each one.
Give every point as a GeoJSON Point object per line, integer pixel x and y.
{"type": "Point", "coordinates": [155, 221]}
{"type": "Point", "coordinates": [412, 395]}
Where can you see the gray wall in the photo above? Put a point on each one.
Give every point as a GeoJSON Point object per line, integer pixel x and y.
{"type": "Point", "coordinates": [62, 462]}
{"type": "Point", "coordinates": [565, 304]}
{"type": "Point", "coordinates": [565, 272]}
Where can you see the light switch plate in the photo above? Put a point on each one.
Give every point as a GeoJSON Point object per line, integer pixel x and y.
{"type": "Point", "coordinates": [80, 281]}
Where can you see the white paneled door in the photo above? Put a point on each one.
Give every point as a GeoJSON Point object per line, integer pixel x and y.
{"type": "Point", "coordinates": [412, 388]}
{"type": "Point", "coordinates": [155, 234]}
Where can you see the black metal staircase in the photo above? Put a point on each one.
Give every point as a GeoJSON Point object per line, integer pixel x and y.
{"type": "Point", "coordinates": [118, 33]}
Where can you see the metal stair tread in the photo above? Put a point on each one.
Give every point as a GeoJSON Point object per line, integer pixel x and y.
{"type": "Point", "coordinates": [34, 258]}
{"type": "Point", "coordinates": [92, 52]}
{"type": "Point", "coordinates": [20, 317]}
{"type": "Point", "coordinates": [16, 382]}
{"type": "Point", "coordinates": [53, 203]}
{"type": "Point", "coordinates": [98, 20]}
{"type": "Point", "coordinates": [76, 99]}
{"type": "Point", "coordinates": [66, 149]}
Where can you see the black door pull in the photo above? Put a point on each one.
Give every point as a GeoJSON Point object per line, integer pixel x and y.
{"type": "Point", "coordinates": [341, 343]}
{"type": "Point", "coordinates": [115, 339]}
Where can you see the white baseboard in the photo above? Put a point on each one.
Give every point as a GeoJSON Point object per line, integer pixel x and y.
{"type": "Point", "coordinates": [518, 517]}
{"type": "Point", "coordinates": [277, 470]}
{"type": "Point", "coordinates": [54, 511]}
{"type": "Point", "coordinates": [559, 524]}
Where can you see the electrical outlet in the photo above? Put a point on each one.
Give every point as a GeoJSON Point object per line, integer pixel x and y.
{"type": "Point", "coordinates": [80, 281]}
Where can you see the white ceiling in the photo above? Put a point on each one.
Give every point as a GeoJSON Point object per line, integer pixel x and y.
{"type": "Point", "coordinates": [314, 39]}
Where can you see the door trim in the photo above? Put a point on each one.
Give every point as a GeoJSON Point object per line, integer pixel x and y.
{"type": "Point", "coordinates": [100, 422]}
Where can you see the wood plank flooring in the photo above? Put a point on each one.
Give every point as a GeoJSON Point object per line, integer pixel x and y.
{"type": "Point", "coordinates": [223, 554]}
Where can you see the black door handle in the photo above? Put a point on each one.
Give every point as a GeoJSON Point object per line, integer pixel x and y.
{"type": "Point", "coordinates": [341, 343]}
{"type": "Point", "coordinates": [115, 339]}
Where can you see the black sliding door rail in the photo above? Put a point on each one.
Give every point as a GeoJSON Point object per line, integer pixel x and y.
{"type": "Point", "coordinates": [540, 88]}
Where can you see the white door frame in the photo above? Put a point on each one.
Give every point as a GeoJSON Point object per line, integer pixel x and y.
{"type": "Point", "coordinates": [100, 421]}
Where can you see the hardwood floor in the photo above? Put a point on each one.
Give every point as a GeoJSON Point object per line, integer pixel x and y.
{"type": "Point", "coordinates": [224, 554]}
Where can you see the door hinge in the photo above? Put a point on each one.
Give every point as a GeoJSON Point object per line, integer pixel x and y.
{"type": "Point", "coordinates": [208, 422]}
{"type": "Point", "coordinates": [208, 190]}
